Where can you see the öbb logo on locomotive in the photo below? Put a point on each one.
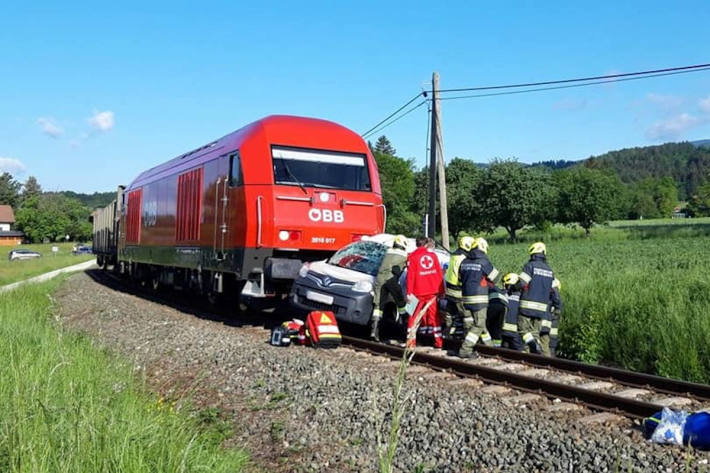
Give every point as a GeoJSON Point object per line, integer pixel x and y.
{"type": "Point", "coordinates": [326, 215]}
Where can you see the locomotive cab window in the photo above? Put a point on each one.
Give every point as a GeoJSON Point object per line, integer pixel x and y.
{"type": "Point", "coordinates": [235, 171]}
{"type": "Point", "coordinates": [322, 169]}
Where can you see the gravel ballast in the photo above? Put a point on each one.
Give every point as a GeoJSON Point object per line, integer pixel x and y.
{"type": "Point", "coordinates": [301, 409]}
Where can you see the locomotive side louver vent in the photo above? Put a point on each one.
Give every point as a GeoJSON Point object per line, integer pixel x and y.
{"type": "Point", "coordinates": [189, 206]}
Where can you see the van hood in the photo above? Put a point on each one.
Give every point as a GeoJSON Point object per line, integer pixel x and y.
{"type": "Point", "coordinates": [323, 267]}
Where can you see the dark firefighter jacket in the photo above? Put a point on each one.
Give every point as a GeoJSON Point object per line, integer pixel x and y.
{"type": "Point", "coordinates": [476, 274]}
{"type": "Point", "coordinates": [537, 278]}
{"type": "Point", "coordinates": [510, 325]}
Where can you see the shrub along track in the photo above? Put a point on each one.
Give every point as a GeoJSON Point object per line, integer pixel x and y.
{"type": "Point", "coordinates": [318, 410]}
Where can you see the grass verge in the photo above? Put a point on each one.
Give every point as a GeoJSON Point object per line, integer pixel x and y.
{"type": "Point", "coordinates": [66, 405]}
{"type": "Point", "coordinates": [13, 271]}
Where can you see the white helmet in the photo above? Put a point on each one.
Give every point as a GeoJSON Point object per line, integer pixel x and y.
{"type": "Point", "coordinates": [481, 244]}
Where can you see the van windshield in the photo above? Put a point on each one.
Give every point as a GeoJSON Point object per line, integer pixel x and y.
{"type": "Point", "coordinates": [361, 256]}
{"type": "Point", "coordinates": [323, 169]}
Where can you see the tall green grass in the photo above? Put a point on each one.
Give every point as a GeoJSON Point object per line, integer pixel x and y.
{"type": "Point", "coordinates": [67, 406]}
{"type": "Point", "coordinates": [12, 271]}
{"type": "Point", "coordinates": [634, 301]}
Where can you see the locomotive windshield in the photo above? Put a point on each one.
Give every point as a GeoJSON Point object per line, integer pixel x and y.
{"type": "Point", "coordinates": [323, 169]}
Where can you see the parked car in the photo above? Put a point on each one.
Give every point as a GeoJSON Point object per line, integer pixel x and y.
{"type": "Point", "coordinates": [22, 254]}
{"type": "Point", "coordinates": [344, 283]}
{"type": "Point", "coordinates": [81, 250]}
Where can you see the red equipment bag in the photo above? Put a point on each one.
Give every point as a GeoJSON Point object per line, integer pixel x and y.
{"type": "Point", "coordinates": [322, 329]}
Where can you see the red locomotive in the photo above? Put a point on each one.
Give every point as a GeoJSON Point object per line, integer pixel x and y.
{"type": "Point", "coordinates": [241, 214]}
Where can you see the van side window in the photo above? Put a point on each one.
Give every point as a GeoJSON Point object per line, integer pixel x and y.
{"type": "Point", "coordinates": [235, 171]}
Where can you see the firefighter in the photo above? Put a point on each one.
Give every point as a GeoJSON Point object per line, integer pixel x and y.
{"type": "Point", "coordinates": [536, 278]}
{"type": "Point", "coordinates": [510, 336]}
{"type": "Point", "coordinates": [476, 274]}
{"type": "Point", "coordinates": [497, 307]}
{"type": "Point", "coordinates": [425, 281]}
{"type": "Point", "coordinates": [454, 306]}
{"type": "Point", "coordinates": [386, 283]}
{"type": "Point", "coordinates": [555, 313]}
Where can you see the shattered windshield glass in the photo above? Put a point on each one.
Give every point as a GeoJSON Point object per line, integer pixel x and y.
{"type": "Point", "coordinates": [361, 256]}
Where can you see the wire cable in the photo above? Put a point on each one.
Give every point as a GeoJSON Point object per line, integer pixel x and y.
{"type": "Point", "coordinates": [384, 125]}
{"type": "Point", "coordinates": [581, 79]}
{"type": "Point", "coordinates": [369, 132]}
{"type": "Point", "coordinates": [569, 86]}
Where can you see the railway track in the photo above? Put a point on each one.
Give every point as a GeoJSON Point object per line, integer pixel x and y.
{"type": "Point", "coordinates": [621, 392]}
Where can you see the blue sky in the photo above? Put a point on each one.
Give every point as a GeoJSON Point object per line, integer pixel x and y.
{"type": "Point", "coordinates": [91, 94]}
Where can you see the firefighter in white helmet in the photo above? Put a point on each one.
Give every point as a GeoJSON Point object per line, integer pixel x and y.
{"type": "Point", "coordinates": [387, 288]}
{"type": "Point", "coordinates": [537, 280]}
{"type": "Point", "coordinates": [454, 302]}
{"type": "Point", "coordinates": [477, 274]}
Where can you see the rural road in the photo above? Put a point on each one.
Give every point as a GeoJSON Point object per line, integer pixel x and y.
{"type": "Point", "coordinates": [46, 276]}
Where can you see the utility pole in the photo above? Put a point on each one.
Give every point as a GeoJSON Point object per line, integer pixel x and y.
{"type": "Point", "coordinates": [443, 205]}
{"type": "Point", "coordinates": [431, 216]}
{"type": "Point", "coordinates": [436, 166]}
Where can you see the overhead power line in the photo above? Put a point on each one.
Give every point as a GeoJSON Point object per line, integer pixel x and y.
{"type": "Point", "coordinates": [568, 86]}
{"type": "Point", "coordinates": [580, 79]}
{"type": "Point", "coordinates": [370, 131]}
{"type": "Point", "coordinates": [526, 88]}
{"type": "Point", "coordinates": [384, 123]}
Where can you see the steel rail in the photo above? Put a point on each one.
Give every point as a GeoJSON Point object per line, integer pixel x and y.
{"type": "Point", "coordinates": [625, 377]}
{"type": "Point", "coordinates": [593, 399]}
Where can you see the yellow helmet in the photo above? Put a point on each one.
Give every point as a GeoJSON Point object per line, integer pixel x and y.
{"type": "Point", "coordinates": [481, 244]}
{"type": "Point", "coordinates": [400, 241]}
{"type": "Point", "coordinates": [537, 247]}
{"type": "Point", "coordinates": [511, 279]}
{"type": "Point", "coordinates": [466, 243]}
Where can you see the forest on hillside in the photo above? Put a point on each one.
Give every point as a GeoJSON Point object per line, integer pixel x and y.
{"type": "Point", "coordinates": [648, 182]}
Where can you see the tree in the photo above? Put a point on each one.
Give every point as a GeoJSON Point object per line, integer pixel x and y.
{"type": "Point", "coordinates": [653, 198]}
{"type": "Point", "coordinates": [31, 188]}
{"type": "Point", "coordinates": [513, 196]}
{"type": "Point", "coordinates": [699, 204]}
{"type": "Point", "coordinates": [47, 217]}
{"type": "Point", "coordinates": [9, 190]}
{"type": "Point", "coordinates": [397, 180]}
{"type": "Point", "coordinates": [383, 146]}
{"type": "Point", "coordinates": [465, 211]}
{"type": "Point", "coordinates": [587, 196]}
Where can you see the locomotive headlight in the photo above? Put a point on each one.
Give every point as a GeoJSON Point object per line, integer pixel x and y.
{"type": "Point", "coordinates": [304, 270]}
{"type": "Point", "coordinates": [324, 197]}
{"type": "Point", "coordinates": [284, 235]}
{"type": "Point", "coordinates": [362, 286]}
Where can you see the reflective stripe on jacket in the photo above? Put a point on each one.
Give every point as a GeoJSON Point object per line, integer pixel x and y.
{"type": "Point", "coordinates": [477, 274]}
{"type": "Point", "coordinates": [510, 324]}
{"type": "Point", "coordinates": [537, 278]}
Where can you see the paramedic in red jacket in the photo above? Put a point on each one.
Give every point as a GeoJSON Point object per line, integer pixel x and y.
{"type": "Point", "coordinates": [425, 281]}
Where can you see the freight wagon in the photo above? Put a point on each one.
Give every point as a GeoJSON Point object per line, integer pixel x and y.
{"type": "Point", "coordinates": [241, 214]}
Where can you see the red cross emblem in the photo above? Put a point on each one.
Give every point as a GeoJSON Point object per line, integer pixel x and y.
{"type": "Point", "coordinates": [426, 261]}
